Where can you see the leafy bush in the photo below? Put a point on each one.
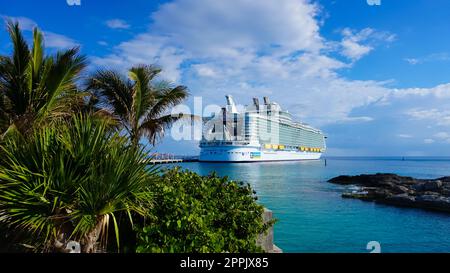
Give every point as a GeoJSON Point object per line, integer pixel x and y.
{"type": "Point", "coordinates": [202, 214]}
{"type": "Point", "coordinates": [70, 182]}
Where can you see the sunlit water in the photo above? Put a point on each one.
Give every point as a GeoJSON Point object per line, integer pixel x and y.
{"type": "Point", "coordinates": [312, 216]}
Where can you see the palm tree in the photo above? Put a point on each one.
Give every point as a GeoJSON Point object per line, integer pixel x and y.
{"type": "Point", "coordinates": [69, 182]}
{"type": "Point", "coordinates": [35, 88]}
{"type": "Point", "coordinates": [138, 102]}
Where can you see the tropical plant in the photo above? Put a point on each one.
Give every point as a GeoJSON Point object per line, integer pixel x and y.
{"type": "Point", "coordinates": [138, 102]}
{"type": "Point", "coordinates": [69, 182]}
{"type": "Point", "coordinates": [34, 88]}
{"type": "Point", "coordinates": [202, 214]}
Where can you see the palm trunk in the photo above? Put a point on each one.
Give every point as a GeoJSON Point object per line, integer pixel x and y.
{"type": "Point", "coordinates": [90, 242]}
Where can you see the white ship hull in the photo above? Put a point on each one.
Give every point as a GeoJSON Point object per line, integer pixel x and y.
{"type": "Point", "coordinates": [252, 154]}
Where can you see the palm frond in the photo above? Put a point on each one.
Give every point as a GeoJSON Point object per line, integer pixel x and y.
{"type": "Point", "coordinates": [142, 89]}
{"type": "Point", "coordinates": [167, 97]}
{"type": "Point", "coordinates": [154, 128]}
{"type": "Point", "coordinates": [62, 76]}
{"type": "Point", "coordinates": [113, 91]}
{"type": "Point", "coordinates": [63, 181]}
{"type": "Point", "coordinates": [37, 58]}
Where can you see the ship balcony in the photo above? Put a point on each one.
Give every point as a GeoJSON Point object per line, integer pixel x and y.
{"type": "Point", "coordinates": [210, 143]}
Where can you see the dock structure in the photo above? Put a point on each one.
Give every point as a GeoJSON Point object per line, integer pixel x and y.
{"type": "Point", "coordinates": [165, 161]}
{"type": "Point", "coordinates": [170, 158]}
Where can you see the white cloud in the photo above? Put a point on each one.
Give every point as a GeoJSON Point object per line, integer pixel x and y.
{"type": "Point", "coordinates": [204, 70]}
{"type": "Point", "coordinates": [225, 28]}
{"type": "Point", "coordinates": [217, 47]}
{"type": "Point", "coordinates": [356, 119]}
{"type": "Point", "coordinates": [353, 50]}
{"type": "Point", "coordinates": [220, 48]}
{"type": "Point", "coordinates": [404, 136]}
{"type": "Point", "coordinates": [428, 141]}
{"type": "Point", "coordinates": [58, 41]}
{"type": "Point", "coordinates": [24, 22]}
{"type": "Point", "coordinates": [352, 41]}
{"type": "Point", "coordinates": [434, 116]}
{"type": "Point", "coordinates": [412, 61]}
{"type": "Point", "coordinates": [144, 49]}
{"type": "Point", "coordinates": [434, 57]}
{"type": "Point", "coordinates": [52, 40]}
{"type": "Point", "coordinates": [442, 135]}
{"type": "Point", "coordinates": [117, 24]}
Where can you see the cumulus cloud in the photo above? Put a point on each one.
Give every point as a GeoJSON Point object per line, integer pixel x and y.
{"type": "Point", "coordinates": [117, 24]}
{"type": "Point", "coordinates": [144, 49]}
{"type": "Point", "coordinates": [356, 44]}
{"type": "Point", "coordinates": [218, 48]}
{"type": "Point", "coordinates": [433, 116]}
{"type": "Point", "coordinates": [212, 28]}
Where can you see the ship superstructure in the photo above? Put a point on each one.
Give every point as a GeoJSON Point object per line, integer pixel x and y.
{"type": "Point", "coordinates": [258, 132]}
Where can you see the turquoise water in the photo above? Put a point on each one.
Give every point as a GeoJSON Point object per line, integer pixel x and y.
{"type": "Point", "coordinates": [312, 216]}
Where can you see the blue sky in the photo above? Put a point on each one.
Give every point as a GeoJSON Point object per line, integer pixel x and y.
{"type": "Point", "coordinates": [375, 79]}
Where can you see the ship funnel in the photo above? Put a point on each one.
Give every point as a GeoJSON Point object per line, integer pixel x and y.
{"type": "Point", "coordinates": [230, 104]}
{"type": "Point", "coordinates": [256, 103]}
{"type": "Point", "coordinates": [266, 101]}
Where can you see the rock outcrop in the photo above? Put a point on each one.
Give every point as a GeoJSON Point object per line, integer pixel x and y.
{"type": "Point", "coordinates": [392, 189]}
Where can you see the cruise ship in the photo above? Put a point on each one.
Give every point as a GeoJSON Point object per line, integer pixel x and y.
{"type": "Point", "coordinates": [258, 132]}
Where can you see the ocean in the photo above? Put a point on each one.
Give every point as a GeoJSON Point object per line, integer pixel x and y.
{"type": "Point", "coordinates": [314, 218]}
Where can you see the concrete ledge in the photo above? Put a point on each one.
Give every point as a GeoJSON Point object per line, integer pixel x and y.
{"type": "Point", "coordinates": [266, 240]}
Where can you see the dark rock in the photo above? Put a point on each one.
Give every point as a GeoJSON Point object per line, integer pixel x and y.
{"type": "Point", "coordinates": [398, 189]}
{"type": "Point", "coordinates": [432, 194]}
{"type": "Point", "coordinates": [400, 200]}
{"type": "Point", "coordinates": [373, 180]}
{"type": "Point", "coordinates": [445, 192]}
{"type": "Point", "coordinates": [381, 194]}
{"type": "Point", "coordinates": [355, 195]}
{"type": "Point", "coordinates": [432, 185]}
{"type": "Point", "coordinates": [445, 179]}
{"type": "Point", "coordinates": [434, 202]}
{"type": "Point", "coordinates": [418, 187]}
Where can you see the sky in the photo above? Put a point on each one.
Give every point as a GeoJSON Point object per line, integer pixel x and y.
{"type": "Point", "coordinates": [374, 78]}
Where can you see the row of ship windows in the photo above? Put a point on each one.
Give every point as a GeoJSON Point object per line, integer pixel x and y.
{"type": "Point", "coordinates": [223, 152]}
{"type": "Point", "coordinates": [266, 123]}
{"type": "Point", "coordinates": [284, 130]}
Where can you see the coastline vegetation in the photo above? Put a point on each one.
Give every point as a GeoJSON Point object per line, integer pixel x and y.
{"type": "Point", "coordinates": [73, 169]}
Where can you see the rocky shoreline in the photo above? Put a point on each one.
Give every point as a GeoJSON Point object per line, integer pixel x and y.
{"type": "Point", "coordinates": [404, 191]}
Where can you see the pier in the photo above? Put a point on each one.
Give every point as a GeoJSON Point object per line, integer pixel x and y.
{"type": "Point", "coordinates": [170, 158]}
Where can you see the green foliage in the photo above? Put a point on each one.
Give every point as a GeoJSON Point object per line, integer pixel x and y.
{"type": "Point", "coordinates": [65, 175]}
{"type": "Point", "coordinates": [138, 102]}
{"type": "Point", "coordinates": [34, 88]}
{"type": "Point", "coordinates": [202, 214]}
{"type": "Point", "coordinates": [70, 181]}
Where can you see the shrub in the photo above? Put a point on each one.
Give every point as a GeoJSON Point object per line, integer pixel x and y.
{"type": "Point", "coordinates": [70, 182]}
{"type": "Point", "coordinates": [195, 213]}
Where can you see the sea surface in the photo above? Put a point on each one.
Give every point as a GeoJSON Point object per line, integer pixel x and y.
{"type": "Point", "coordinates": [313, 217]}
